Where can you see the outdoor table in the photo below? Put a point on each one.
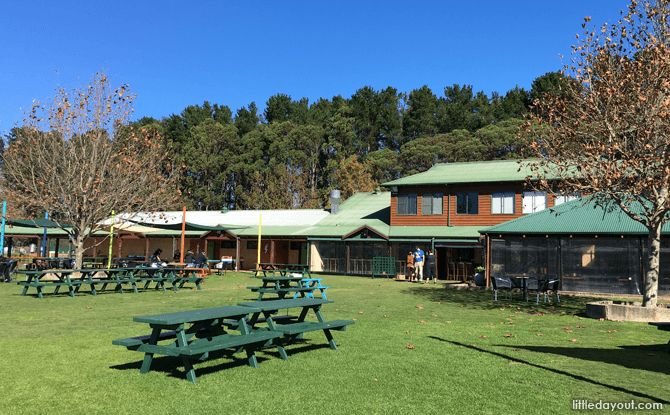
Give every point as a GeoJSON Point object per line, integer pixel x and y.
{"type": "Point", "coordinates": [75, 278]}
{"type": "Point", "coordinates": [64, 278]}
{"type": "Point", "coordinates": [524, 290]}
{"type": "Point", "coordinates": [205, 334]}
{"type": "Point", "coordinates": [282, 269]}
{"type": "Point", "coordinates": [314, 283]}
{"type": "Point", "coordinates": [160, 275]}
{"type": "Point", "coordinates": [294, 329]}
{"type": "Point", "coordinates": [665, 326]}
{"type": "Point", "coordinates": [281, 286]}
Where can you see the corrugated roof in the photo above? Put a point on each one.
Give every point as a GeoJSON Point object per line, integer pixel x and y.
{"type": "Point", "coordinates": [371, 209]}
{"type": "Point", "coordinates": [435, 231]}
{"type": "Point", "coordinates": [580, 216]}
{"type": "Point", "coordinates": [469, 172]}
{"type": "Point", "coordinates": [231, 218]}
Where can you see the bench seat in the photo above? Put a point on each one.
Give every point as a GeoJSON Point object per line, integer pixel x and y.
{"type": "Point", "coordinates": [226, 341]}
{"type": "Point", "coordinates": [297, 328]}
{"type": "Point", "coordinates": [140, 340]}
{"type": "Point", "coordinates": [45, 284]}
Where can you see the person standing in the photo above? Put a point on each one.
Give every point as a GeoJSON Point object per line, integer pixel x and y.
{"type": "Point", "coordinates": [418, 264]}
{"type": "Point", "coordinates": [429, 267]}
{"type": "Point", "coordinates": [410, 267]}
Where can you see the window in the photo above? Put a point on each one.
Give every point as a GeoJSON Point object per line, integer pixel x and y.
{"type": "Point", "coordinates": [252, 244]}
{"type": "Point", "coordinates": [406, 204]}
{"type": "Point", "coordinates": [534, 201]}
{"type": "Point", "coordinates": [560, 199]}
{"type": "Point", "coordinates": [228, 244]}
{"type": "Point", "coordinates": [502, 203]}
{"type": "Point", "coordinates": [431, 204]}
{"type": "Point", "coordinates": [467, 203]}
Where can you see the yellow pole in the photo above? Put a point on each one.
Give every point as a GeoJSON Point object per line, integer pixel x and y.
{"type": "Point", "coordinates": [111, 239]}
{"type": "Point", "coordinates": [260, 218]}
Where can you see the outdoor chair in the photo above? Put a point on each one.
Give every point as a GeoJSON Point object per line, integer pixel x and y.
{"type": "Point", "coordinates": [544, 286]}
{"type": "Point", "coordinates": [502, 284]}
{"type": "Point", "coordinates": [460, 271]}
{"type": "Point", "coordinates": [451, 273]}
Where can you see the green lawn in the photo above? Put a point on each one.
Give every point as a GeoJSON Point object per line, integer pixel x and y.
{"type": "Point", "coordinates": [470, 355]}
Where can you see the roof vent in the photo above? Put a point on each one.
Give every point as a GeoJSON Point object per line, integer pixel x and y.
{"type": "Point", "coordinates": [334, 201]}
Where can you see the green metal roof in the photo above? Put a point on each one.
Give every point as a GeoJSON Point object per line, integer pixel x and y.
{"type": "Point", "coordinates": [469, 172]}
{"type": "Point", "coordinates": [580, 216]}
{"type": "Point", "coordinates": [37, 223]}
{"type": "Point", "coordinates": [435, 231]}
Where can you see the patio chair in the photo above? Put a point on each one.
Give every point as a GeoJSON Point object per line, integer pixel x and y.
{"type": "Point", "coordinates": [502, 284]}
{"type": "Point", "coordinates": [544, 286]}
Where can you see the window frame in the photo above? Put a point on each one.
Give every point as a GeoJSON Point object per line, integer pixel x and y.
{"type": "Point", "coordinates": [407, 204]}
{"type": "Point", "coordinates": [469, 196]}
{"type": "Point", "coordinates": [504, 194]}
{"type": "Point", "coordinates": [567, 197]}
{"type": "Point", "coordinates": [436, 202]}
{"type": "Point", "coordinates": [533, 204]}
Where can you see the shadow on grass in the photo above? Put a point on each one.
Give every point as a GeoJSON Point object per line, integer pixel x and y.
{"type": "Point", "coordinates": [631, 357]}
{"type": "Point", "coordinates": [557, 371]}
{"type": "Point", "coordinates": [484, 300]}
{"type": "Point", "coordinates": [174, 367]}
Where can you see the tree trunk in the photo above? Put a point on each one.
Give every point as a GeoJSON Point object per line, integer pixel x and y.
{"type": "Point", "coordinates": [651, 278]}
{"type": "Point", "coordinates": [79, 242]}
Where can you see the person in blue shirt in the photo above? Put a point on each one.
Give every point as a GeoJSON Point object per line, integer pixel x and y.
{"type": "Point", "coordinates": [418, 263]}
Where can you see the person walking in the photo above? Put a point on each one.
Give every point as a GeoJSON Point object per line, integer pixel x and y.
{"type": "Point", "coordinates": [418, 264]}
{"type": "Point", "coordinates": [429, 267]}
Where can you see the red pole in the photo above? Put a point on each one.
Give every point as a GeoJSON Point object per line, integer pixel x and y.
{"type": "Point", "coordinates": [183, 231]}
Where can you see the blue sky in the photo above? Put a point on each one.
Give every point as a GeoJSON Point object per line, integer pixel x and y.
{"type": "Point", "coordinates": [179, 53]}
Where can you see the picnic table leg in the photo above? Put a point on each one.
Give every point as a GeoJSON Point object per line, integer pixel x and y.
{"type": "Point", "coordinates": [273, 327]}
{"type": "Point", "coordinates": [251, 355]}
{"type": "Point", "coordinates": [39, 291]}
{"type": "Point", "coordinates": [148, 357]}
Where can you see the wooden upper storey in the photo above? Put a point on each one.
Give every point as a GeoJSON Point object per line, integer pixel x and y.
{"type": "Point", "coordinates": [476, 204]}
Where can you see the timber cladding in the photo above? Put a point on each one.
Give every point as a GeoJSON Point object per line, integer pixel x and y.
{"type": "Point", "coordinates": [483, 217]}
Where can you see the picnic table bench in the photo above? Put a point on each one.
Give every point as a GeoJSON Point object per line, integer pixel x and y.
{"type": "Point", "coordinates": [205, 333]}
{"type": "Point", "coordinates": [665, 326]}
{"type": "Point", "coordinates": [291, 328]}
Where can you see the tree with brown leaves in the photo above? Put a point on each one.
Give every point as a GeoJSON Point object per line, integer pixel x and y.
{"type": "Point", "coordinates": [75, 158]}
{"type": "Point", "coordinates": [607, 132]}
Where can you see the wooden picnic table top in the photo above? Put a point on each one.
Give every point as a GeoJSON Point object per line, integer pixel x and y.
{"type": "Point", "coordinates": [280, 278]}
{"type": "Point", "coordinates": [285, 303]}
{"type": "Point", "coordinates": [191, 316]}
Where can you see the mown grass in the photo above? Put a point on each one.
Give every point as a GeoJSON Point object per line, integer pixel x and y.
{"type": "Point", "coordinates": [470, 355]}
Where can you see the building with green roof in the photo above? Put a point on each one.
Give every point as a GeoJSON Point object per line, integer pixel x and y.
{"type": "Point", "coordinates": [584, 246]}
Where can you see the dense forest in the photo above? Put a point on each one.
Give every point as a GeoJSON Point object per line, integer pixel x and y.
{"type": "Point", "coordinates": [294, 152]}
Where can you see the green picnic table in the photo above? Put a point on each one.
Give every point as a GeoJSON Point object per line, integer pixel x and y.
{"type": "Point", "coordinates": [282, 270]}
{"type": "Point", "coordinates": [74, 279]}
{"type": "Point", "coordinates": [291, 328]}
{"type": "Point", "coordinates": [191, 335]}
{"type": "Point", "coordinates": [282, 286]}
